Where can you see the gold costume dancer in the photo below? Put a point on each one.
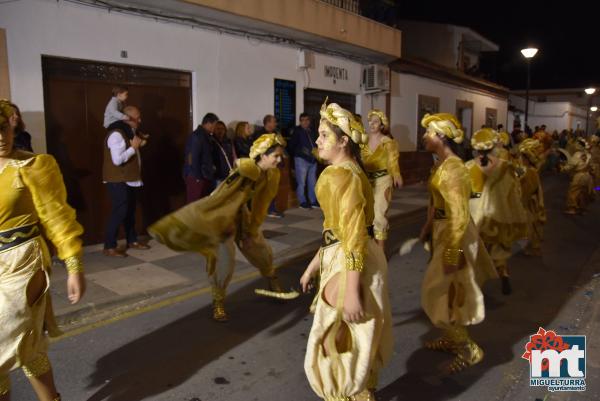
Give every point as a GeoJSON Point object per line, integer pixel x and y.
{"type": "Point", "coordinates": [502, 147]}
{"type": "Point", "coordinates": [380, 157]}
{"type": "Point", "coordinates": [451, 296]}
{"type": "Point", "coordinates": [32, 204]}
{"type": "Point", "coordinates": [595, 159]}
{"type": "Point", "coordinates": [581, 188]}
{"type": "Point", "coordinates": [351, 338]}
{"type": "Point", "coordinates": [495, 203]}
{"type": "Point", "coordinates": [532, 194]}
{"type": "Point", "coordinates": [213, 225]}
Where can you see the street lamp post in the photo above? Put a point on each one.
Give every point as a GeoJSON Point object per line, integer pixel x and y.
{"type": "Point", "coordinates": [589, 92]}
{"type": "Point", "coordinates": [528, 53]}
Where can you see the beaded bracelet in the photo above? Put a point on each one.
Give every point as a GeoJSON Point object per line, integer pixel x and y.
{"type": "Point", "coordinates": [73, 264]}
{"type": "Point", "coordinates": [354, 263]}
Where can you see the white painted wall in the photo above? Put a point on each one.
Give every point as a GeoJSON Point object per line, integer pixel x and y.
{"type": "Point", "coordinates": [555, 115]}
{"type": "Point", "coordinates": [405, 91]}
{"type": "Point", "coordinates": [232, 76]}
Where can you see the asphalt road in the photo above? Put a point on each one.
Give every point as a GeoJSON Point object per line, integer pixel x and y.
{"type": "Point", "coordinates": [178, 353]}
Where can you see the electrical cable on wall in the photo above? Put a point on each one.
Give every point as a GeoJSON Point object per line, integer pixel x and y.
{"type": "Point", "coordinates": [307, 78]}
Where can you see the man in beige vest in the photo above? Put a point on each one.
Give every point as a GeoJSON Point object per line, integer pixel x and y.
{"type": "Point", "coordinates": [122, 174]}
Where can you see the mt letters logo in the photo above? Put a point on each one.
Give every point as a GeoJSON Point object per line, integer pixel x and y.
{"type": "Point", "coordinates": [556, 362]}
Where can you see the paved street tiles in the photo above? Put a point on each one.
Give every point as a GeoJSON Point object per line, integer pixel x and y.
{"type": "Point", "coordinates": [136, 279]}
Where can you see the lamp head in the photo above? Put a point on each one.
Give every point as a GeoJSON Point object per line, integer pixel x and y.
{"type": "Point", "coordinates": [530, 52]}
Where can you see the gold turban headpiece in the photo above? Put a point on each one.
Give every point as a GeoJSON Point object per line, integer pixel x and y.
{"type": "Point", "coordinates": [384, 120]}
{"type": "Point", "coordinates": [582, 144]}
{"type": "Point", "coordinates": [444, 124]}
{"type": "Point", "coordinates": [264, 142]}
{"type": "Point", "coordinates": [6, 111]}
{"type": "Point", "coordinates": [345, 120]}
{"type": "Point", "coordinates": [531, 148]}
{"type": "Point", "coordinates": [504, 138]}
{"type": "Point", "coordinates": [484, 139]}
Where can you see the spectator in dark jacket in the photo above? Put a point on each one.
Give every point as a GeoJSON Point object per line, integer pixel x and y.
{"type": "Point", "coordinates": [223, 152]}
{"type": "Point", "coordinates": [269, 126]}
{"type": "Point", "coordinates": [199, 167]}
{"type": "Point", "coordinates": [300, 147]}
{"type": "Point", "coordinates": [243, 139]}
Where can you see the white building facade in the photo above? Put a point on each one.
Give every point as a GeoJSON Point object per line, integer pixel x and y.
{"type": "Point", "coordinates": [558, 109]}
{"type": "Point", "coordinates": [232, 76]}
{"type": "Point", "coordinates": [405, 92]}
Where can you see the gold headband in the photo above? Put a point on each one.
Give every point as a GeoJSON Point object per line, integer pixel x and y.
{"type": "Point", "coordinates": [345, 120]}
{"type": "Point", "coordinates": [484, 139]}
{"type": "Point", "coordinates": [382, 117]}
{"type": "Point", "coordinates": [264, 142]}
{"type": "Point", "coordinates": [444, 124]}
{"type": "Point", "coordinates": [504, 138]}
{"type": "Point", "coordinates": [583, 144]}
{"type": "Point", "coordinates": [531, 148]}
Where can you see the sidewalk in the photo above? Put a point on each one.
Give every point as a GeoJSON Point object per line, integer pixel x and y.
{"type": "Point", "coordinates": [159, 273]}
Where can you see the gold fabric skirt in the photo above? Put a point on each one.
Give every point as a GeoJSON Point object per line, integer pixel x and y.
{"type": "Point", "coordinates": [456, 298]}
{"type": "Point", "coordinates": [342, 374]}
{"type": "Point", "coordinates": [581, 191]}
{"type": "Point", "coordinates": [382, 195]}
{"type": "Point", "coordinates": [499, 214]}
{"type": "Point", "coordinates": [22, 326]}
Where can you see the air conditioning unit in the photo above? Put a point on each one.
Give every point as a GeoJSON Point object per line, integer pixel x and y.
{"type": "Point", "coordinates": [376, 78]}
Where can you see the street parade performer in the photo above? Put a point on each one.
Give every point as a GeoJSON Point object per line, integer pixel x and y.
{"type": "Point", "coordinates": [532, 194]}
{"type": "Point", "coordinates": [351, 338]}
{"type": "Point", "coordinates": [450, 294]}
{"type": "Point", "coordinates": [495, 204]}
{"type": "Point", "coordinates": [581, 189]}
{"type": "Point", "coordinates": [33, 208]}
{"type": "Point", "coordinates": [213, 225]}
{"type": "Point", "coordinates": [380, 157]}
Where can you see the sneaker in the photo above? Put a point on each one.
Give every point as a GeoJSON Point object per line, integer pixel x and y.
{"type": "Point", "coordinates": [315, 206]}
{"type": "Point", "coordinates": [304, 205]}
{"type": "Point", "coordinates": [275, 215]}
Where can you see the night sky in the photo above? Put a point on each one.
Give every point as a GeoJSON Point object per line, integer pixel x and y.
{"type": "Point", "coordinates": [567, 34]}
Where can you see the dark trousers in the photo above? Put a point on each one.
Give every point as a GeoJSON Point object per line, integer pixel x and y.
{"type": "Point", "coordinates": [197, 188]}
{"type": "Point", "coordinates": [123, 202]}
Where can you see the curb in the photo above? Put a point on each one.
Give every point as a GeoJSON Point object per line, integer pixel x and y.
{"type": "Point", "coordinates": [95, 312]}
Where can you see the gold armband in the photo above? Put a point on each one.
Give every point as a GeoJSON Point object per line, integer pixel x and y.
{"type": "Point", "coordinates": [38, 367]}
{"type": "Point", "coordinates": [381, 235]}
{"type": "Point", "coordinates": [74, 264]}
{"type": "Point", "coordinates": [453, 256]}
{"type": "Point", "coordinates": [354, 262]}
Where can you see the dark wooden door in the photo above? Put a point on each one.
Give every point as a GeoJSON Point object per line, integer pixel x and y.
{"type": "Point", "coordinates": [314, 98]}
{"type": "Point", "coordinates": [75, 95]}
{"type": "Point", "coordinates": [427, 105]}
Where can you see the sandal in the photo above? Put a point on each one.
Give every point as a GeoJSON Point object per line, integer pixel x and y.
{"type": "Point", "coordinates": [219, 313]}
{"type": "Point", "coordinates": [467, 355]}
{"type": "Point", "coordinates": [443, 344]}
